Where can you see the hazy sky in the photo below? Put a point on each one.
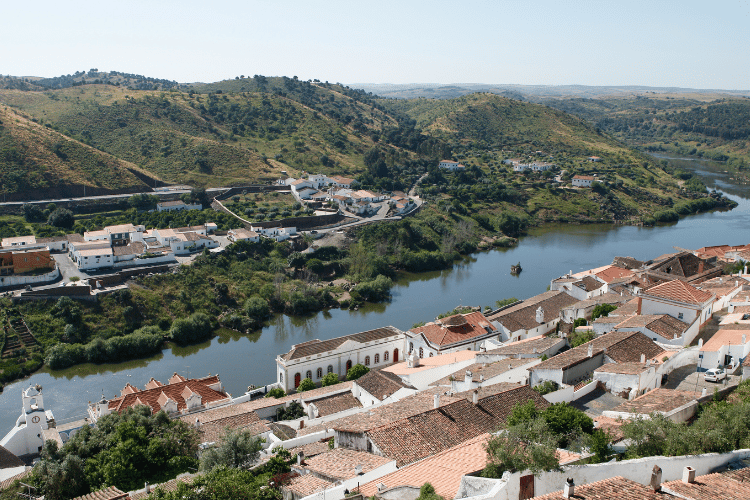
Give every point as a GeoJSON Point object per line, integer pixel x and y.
{"type": "Point", "coordinates": [698, 44]}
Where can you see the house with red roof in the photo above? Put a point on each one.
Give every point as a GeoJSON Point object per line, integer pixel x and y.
{"type": "Point", "coordinates": [178, 396]}
{"type": "Point", "coordinates": [680, 300]}
{"type": "Point", "coordinates": [454, 333]}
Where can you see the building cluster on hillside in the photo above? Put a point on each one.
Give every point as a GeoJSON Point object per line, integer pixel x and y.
{"type": "Point", "coordinates": [436, 394]}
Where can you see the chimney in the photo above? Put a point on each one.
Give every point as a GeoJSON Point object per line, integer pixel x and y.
{"type": "Point", "coordinates": [300, 457]}
{"type": "Point", "coordinates": [358, 470]}
{"type": "Point", "coordinates": [744, 339]}
{"type": "Point", "coordinates": [700, 344]}
{"type": "Point", "coordinates": [700, 267]}
{"type": "Point", "coordinates": [643, 358]}
{"type": "Point", "coordinates": [197, 422]}
{"type": "Point", "coordinates": [703, 393]}
{"type": "Point", "coordinates": [656, 478]}
{"type": "Point", "coordinates": [481, 378]}
{"type": "Point", "coordinates": [148, 486]}
{"type": "Point", "coordinates": [570, 488]}
{"type": "Point", "coordinates": [467, 378]}
{"type": "Point", "coordinates": [591, 350]}
{"type": "Point", "coordinates": [475, 396]}
{"type": "Point", "coordinates": [437, 401]}
{"type": "Point", "coordinates": [648, 363]}
{"type": "Point", "coordinates": [381, 487]}
{"type": "Point", "coordinates": [745, 271]}
{"type": "Point", "coordinates": [688, 475]}
{"type": "Point", "coordinates": [540, 315]}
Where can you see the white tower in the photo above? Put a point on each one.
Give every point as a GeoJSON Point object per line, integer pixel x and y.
{"type": "Point", "coordinates": [26, 437]}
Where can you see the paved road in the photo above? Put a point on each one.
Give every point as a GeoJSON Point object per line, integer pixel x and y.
{"type": "Point", "coordinates": [687, 378]}
{"type": "Point", "coordinates": [171, 191]}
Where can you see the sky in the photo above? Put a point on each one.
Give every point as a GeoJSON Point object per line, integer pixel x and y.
{"type": "Point", "coordinates": [660, 43]}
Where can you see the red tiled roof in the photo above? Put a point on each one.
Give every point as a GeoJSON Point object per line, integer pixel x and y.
{"type": "Point", "coordinates": [173, 391]}
{"type": "Point", "coordinates": [340, 463]}
{"type": "Point", "coordinates": [662, 400]}
{"type": "Point", "coordinates": [443, 470]}
{"type": "Point", "coordinates": [381, 384]}
{"type": "Point", "coordinates": [663, 324]}
{"type": "Point", "coordinates": [500, 405]}
{"type": "Point", "coordinates": [679, 291]}
{"type": "Point", "coordinates": [307, 484]}
{"type": "Point", "coordinates": [329, 405]}
{"type": "Point", "coordinates": [724, 486]}
{"type": "Point", "coordinates": [613, 273]}
{"type": "Point", "coordinates": [456, 328]}
{"type": "Point", "coordinates": [614, 488]}
{"type": "Point", "coordinates": [214, 431]}
{"type": "Point", "coordinates": [110, 493]}
{"type": "Point", "coordinates": [317, 346]}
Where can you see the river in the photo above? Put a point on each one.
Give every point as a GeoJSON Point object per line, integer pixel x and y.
{"type": "Point", "coordinates": [481, 279]}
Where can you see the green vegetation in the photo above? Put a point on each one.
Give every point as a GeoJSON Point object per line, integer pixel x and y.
{"type": "Point", "coordinates": [330, 379]}
{"type": "Point", "coordinates": [602, 310]}
{"type": "Point", "coordinates": [505, 302]}
{"type": "Point", "coordinates": [427, 492]}
{"type": "Point", "coordinates": [306, 385]}
{"type": "Point", "coordinates": [356, 371]}
{"type": "Point", "coordinates": [291, 412]}
{"type": "Point", "coordinates": [123, 450]}
{"type": "Point", "coordinates": [238, 448]}
{"type": "Point", "coordinates": [578, 338]}
{"type": "Point", "coordinates": [546, 387]}
{"type": "Point", "coordinates": [276, 392]}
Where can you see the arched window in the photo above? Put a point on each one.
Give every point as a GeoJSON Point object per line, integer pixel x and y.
{"type": "Point", "coordinates": [320, 373]}
{"type": "Point", "coordinates": [377, 359]}
{"type": "Point", "coordinates": [330, 368]}
{"type": "Point", "coordinates": [297, 380]}
{"type": "Point", "coordinates": [385, 356]}
{"type": "Point", "coordinates": [309, 374]}
{"type": "Point", "coordinates": [421, 353]}
{"type": "Point", "coordinates": [281, 378]}
{"type": "Point", "coordinates": [367, 360]}
{"type": "Point", "coordinates": [430, 354]}
{"type": "Point", "coordinates": [395, 355]}
{"type": "Point", "coordinates": [411, 347]}
{"type": "Point", "coordinates": [348, 365]}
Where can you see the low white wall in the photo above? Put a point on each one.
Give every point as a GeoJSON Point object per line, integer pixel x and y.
{"type": "Point", "coordinates": [145, 262]}
{"type": "Point", "coordinates": [680, 414]}
{"type": "Point", "coordinates": [583, 391]}
{"type": "Point", "coordinates": [688, 356]}
{"type": "Point", "coordinates": [562, 395]}
{"type": "Point", "coordinates": [638, 470]}
{"type": "Point", "coordinates": [298, 441]}
{"type": "Point", "coordinates": [29, 280]}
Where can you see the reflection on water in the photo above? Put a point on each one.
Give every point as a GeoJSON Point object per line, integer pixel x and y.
{"type": "Point", "coordinates": [545, 253]}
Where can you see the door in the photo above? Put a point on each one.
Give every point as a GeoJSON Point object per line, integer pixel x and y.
{"type": "Point", "coordinates": [526, 487]}
{"type": "Point", "coordinates": [348, 365]}
{"type": "Point", "coordinates": [395, 355]}
{"type": "Point", "coordinates": [297, 380]}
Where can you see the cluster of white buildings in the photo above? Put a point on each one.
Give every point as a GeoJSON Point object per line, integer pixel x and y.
{"type": "Point", "coordinates": [342, 190]}
{"type": "Point", "coordinates": [254, 233]}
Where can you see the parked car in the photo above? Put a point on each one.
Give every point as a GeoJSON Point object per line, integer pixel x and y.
{"type": "Point", "coordinates": [715, 375]}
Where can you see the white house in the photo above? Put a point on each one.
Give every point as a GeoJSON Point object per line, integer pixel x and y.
{"type": "Point", "coordinates": [531, 318]}
{"type": "Point", "coordinates": [454, 333]}
{"type": "Point", "coordinates": [176, 206]}
{"type": "Point", "coordinates": [536, 167]}
{"type": "Point", "coordinates": [726, 347]}
{"type": "Point", "coordinates": [183, 242]}
{"type": "Point", "coordinates": [583, 180]}
{"type": "Point", "coordinates": [315, 358]}
{"type": "Point", "coordinates": [661, 328]}
{"type": "Point", "coordinates": [276, 233]}
{"type": "Point", "coordinates": [243, 234]}
{"type": "Point", "coordinates": [93, 258]}
{"type": "Point", "coordinates": [451, 165]}
{"type": "Point", "coordinates": [26, 436]}
{"type": "Point", "coordinates": [680, 300]}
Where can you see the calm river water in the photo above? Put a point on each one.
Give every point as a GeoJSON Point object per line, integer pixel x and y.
{"type": "Point", "coordinates": [480, 279]}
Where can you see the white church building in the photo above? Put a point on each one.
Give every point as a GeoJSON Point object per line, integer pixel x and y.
{"type": "Point", "coordinates": [27, 436]}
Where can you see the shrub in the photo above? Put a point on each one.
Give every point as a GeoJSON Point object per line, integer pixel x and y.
{"type": "Point", "coordinates": [276, 392]}
{"type": "Point", "coordinates": [356, 371]}
{"type": "Point", "coordinates": [546, 387]}
{"type": "Point", "coordinates": [190, 330]}
{"type": "Point", "coordinates": [61, 217]}
{"type": "Point", "coordinates": [306, 385]}
{"type": "Point", "coordinates": [257, 308]}
{"type": "Point", "coordinates": [330, 379]}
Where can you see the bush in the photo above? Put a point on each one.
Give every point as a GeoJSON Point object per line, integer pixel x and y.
{"type": "Point", "coordinates": [276, 392]}
{"type": "Point", "coordinates": [356, 371]}
{"type": "Point", "coordinates": [61, 217]}
{"type": "Point", "coordinates": [330, 379]}
{"type": "Point", "coordinates": [376, 290]}
{"type": "Point", "coordinates": [257, 308]}
{"type": "Point", "coordinates": [580, 338]}
{"type": "Point", "coordinates": [291, 412]}
{"type": "Point", "coordinates": [602, 310]}
{"type": "Point", "coordinates": [306, 385]}
{"type": "Point", "coordinates": [191, 330]}
{"type": "Point", "coordinates": [546, 387]}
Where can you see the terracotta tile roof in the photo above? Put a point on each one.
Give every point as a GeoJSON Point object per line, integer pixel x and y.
{"type": "Point", "coordinates": [317, 346]}
{"type": "Point", "coordinates": [622, 347]}
{"type": "Point", "coordinates": [110, 493]}
{"type": "Point", "coordinates": [8, 459]}
{"type": "Point", "coordinates": [710, 487]}
{"type": "Point", "coordinates": [663, 324]}
{"type": "Point", "coordinates": [501, 405]}
{"type": "Point", "coordinates": [725, 336]}
{"type": "Point", "coordinates": [456, 328]}
{"type": "Point", "coordinates": [381, 384]}
{"type": "Point", "coordinates": [386, 414]}
{"type": "Point", "coordinates": [612, 273]}
{"type": "Point", "coordinates": [167, 486]}
{"type": "Point", "coordinates": [612, 488]}
{"type": "Point", "coordinates": [611, 426]}
{"type": "Point", "coordinates": [523, 315]}
{"type": "Point", "coordinates": [741, 475]}
{"type": "Point", "coordinates": [431, 432]}
{"type": "Point", "coordinates": [679, 291]}
{"type": "Point", "coordinates": [443, 470]}
{"type": "Point", "coordinates": [526, 346]}
{"type": "Point", "coordinates": [341, 180]}
{"type": "Point", "coordinates": [585, 177]}
{"type": "Point", "coordinates": [630, 308]}
{"type": "Point", "coordinates": [9, 482]}
{"type": "Point", "coordinates": [486, 370]}
{"type": "Point", "coordinates": [588, 284]}
{"type": "Point", "coordinates": [150, 397]}
{"type": "Point", "coordinates": [334, 404]}
{"type": "Point", "coordinates": [487, 390]}
{"type": "Point", "coordinates": [627, 263]}
{"type": "Point", "coordinates": [311, 449]}
{"type": "Point", "coordinates": [307, 484]}
{"type": "Point", "coordinates": [339, 464]}
{"type": "Point", "coordinates": [661, 400]}
{"type": "Point", "coordinates": [214, 431]}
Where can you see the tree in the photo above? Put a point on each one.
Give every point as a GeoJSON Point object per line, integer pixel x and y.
{"type": "Point", "coordinates": [600, 446]}
{"type": "Point", "coordinates": [238, 448]}
{"type": "Point", "coordinates": [522, 412]}
{"type": "Point", "coordinates": [567, 422]}
{"type": "Point", "coordinates": [276, 392]}
{"type": "Point", "coordinates": [295, 260]}
{"type": "Point", "coordinates": [257, 308]}
{"type": "Point", "coordinates": [602, 310]}
{"type": "Point", "coordinates": [528, 446]}
{"type": "Point", "coordinates": [306, 385]}
{"type": "Point", "coordinates": [356, 371]}
{"type": "Point", "coordinates": [580, 338]}
{"type": "Point", "coordinates": [291, 412]}
{"type": "Point", "coordinates": [190, 330]}
{"type": "Point", "coordinates": [32, 213]}
{"type": "Point", "coordinates": [330, 379]}
{"type": "Point", "coordinates": [61, 217]}
{"type": "Point", "coordinates": [427, 492]}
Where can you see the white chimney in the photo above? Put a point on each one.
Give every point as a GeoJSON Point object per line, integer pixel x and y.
{"type": "Point", "coordinates": [358, 470]}
{"type": "Point", "coordinates": [300, 457]}
{"type": "Point", "coordinates": [700, 344]}
{"type": "Point", "coordinates": [656, 478]}
{"type": "Point", "coordinates": [744, 339]}
{"type": "Point", "coordinates": [148, 486]}
{"type": "Point", "coordinates": [688, 475]}
{"type": "Point", "coordinates": [570, 488]}
{"type": "Point", "coordinates": [643, 358]}
{"type": "Point", "coordinates": [703, 393]}
{"type": "Point", "coordinates": [648, 363]}
{"type": "Point", "coordinates": [481, 378]}
{"type": "Point", "coordinates": [540, 315]}
{"type": "Point", "coordinates": [437, 401]}
{"type": "Point", "coordinates": [591, 350]}
{"type": "Point", "coordinates": [475, 397]}
{"type": "Point", "coordinates": [745, 270]}
{"type": "Point", "coordinates": [468, 377]}
{"type": "Point", "coordinates": [381, 487]}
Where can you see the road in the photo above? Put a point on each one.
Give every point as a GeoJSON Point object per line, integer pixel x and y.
{"type": "Point", "coordinates": [170, 191]}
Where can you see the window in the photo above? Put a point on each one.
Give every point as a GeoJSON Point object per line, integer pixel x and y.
{"type": "Point", "coordinates": [430, 354]}
{"type": "Point", "coordinates": [367, 360]}
{"type": "Point", "coordinates": [385, 356]}
{"type": "Point", "coordinates": [377, 359]}
{"type": "Point", "coordinates": [421, 352]}
{"type": "Point", "coordinates": [309, 374]}
{"type": "Point", "coordinates": [679, 316]}
{"type": "Point", "coordinates": [281, 378]}
{"type": "Point", "coordinates": [320, 373]}
{"type": "Point", "coordinates": [330, 368]}
{"type": "Point", "coordinates": [411, 347]}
